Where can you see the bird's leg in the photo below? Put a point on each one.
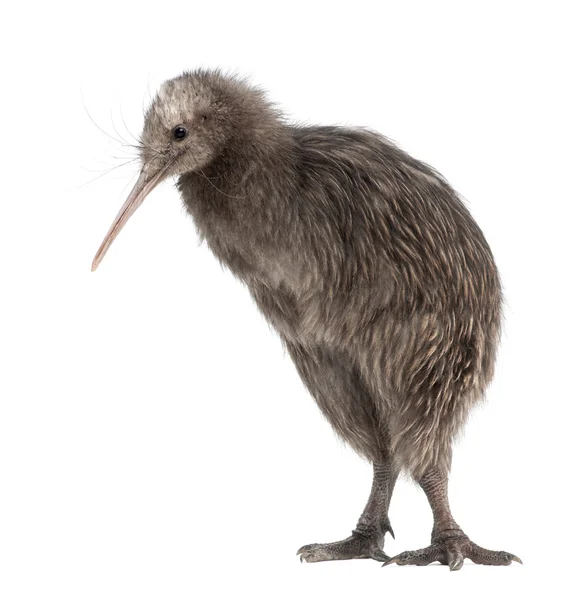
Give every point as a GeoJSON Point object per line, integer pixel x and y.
{"type": "Point", "coordinates": [367, 540]}
{"type": "Point", "coordinates": [449, 545]}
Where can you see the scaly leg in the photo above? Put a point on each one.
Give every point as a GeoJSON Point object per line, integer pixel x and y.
{"type": "Point", "coordinates": [367, 540]}
{"type": "Point", "coordinates": [449, 545]}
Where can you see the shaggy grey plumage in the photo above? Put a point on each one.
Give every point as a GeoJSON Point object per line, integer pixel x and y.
{"type": "Point", "coordinates": [367, 264]}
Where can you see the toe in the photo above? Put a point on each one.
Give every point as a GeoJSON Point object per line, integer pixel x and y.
{"type": "Point", "coordinates": [456, 562]}
{"type": "Point", "coordinates": [309, 553]}
{"type": "Point", "coordinates": [305, 548]}
{"type": "Point", "coordinates": [355, 546]}
{"type": "Point", "coordinates": [379, 555]}
{"type": "Point", "coordinates": [482, 556]}
{"type": "Point", "coordinates": [422, 557]}
{"type": "Point", "coordinates": [454, 556]}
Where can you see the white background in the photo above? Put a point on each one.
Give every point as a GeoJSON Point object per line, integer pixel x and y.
{"type": "Point", "coordinates": [155, 442]}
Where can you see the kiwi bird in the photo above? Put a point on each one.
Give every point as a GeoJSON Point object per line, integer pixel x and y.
{"type": "Point", "coordinates": [366, 263]}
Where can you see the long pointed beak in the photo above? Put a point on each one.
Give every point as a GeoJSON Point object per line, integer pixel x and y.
{"type": "Point", "coordinates": [142, 188]}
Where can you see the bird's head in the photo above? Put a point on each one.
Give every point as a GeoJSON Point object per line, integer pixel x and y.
{"type": "Point", "coordinates": [190, 122]}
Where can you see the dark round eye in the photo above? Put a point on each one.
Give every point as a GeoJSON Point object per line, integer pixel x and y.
{"type": "Point", "coordinates": [179, 132]}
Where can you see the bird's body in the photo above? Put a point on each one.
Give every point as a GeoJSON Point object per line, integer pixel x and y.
{"type": "Point", "coordinates": [368, 265]}
{"type": "Point", "coordinates": [360, 255]}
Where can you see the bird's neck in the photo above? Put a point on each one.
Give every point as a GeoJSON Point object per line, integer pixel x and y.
{"type": "Point", "coordinates": [251, 156]}
{"type": "Point", "coordinates": [238, 200]}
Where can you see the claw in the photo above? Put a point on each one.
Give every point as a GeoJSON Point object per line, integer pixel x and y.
{"type": "Point", "coordinates": [391, 531]}
{"type": "Point", "coordinates": [456, 563]}
{"type": "Point", "coordinates": [304, 549]}
{"type": "Point", "coordinates": [516, 559]}
{"type": "Point", "coordinates": [393, 560]}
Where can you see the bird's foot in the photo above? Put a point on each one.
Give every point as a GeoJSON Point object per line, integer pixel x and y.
{"type": "Point", "coordinates": [360, 544]}
{"type": "Point", "coordinates": [452, 547]}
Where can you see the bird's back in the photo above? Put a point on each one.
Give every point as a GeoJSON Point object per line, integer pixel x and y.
{"type": "Point", "coordinates": [374, 200]}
